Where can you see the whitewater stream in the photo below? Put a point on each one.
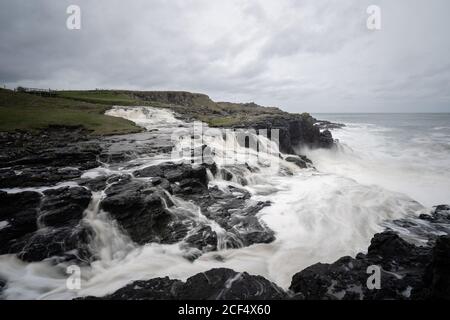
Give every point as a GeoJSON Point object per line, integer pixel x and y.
{"type": "Point", "coordinates": [318, 214]}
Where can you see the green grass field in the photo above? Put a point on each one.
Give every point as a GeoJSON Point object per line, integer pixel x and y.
{"type": "Point", "coordinates": [22, 111]}
{"type": "Point", "coordinates": [105, 97]}
{"type": "Point", "coordinates": [25, 111]}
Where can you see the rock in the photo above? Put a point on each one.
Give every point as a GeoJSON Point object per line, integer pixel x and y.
{"type": "Point", "coordinates": [406, 272]}
{"type": "Point", "coordinates": [36, 177]}
{"type": "Point", "coordinates": [64, 207]}
{"type": "Point", "coordinates": [235, 213]}
{"type": "Point", "coordinates": [175, 172]}
{"type": "Point", "coordinates": [46, 157]}
{"type": "Point", "coordinates": [67, 243]}
{"type": "Point", "coordinates": [101, 182]}
{"type": "Point", "coordinates": [202, 238]}
{"type": "Point", "coordinates": [298, 161]}
{"type": "Point", "coordinates": [327, 125]}
{"type": "Point", "coordinates": [294, 130]}
{"type": "Point", "coordinates": [19, 210]}
{"type": "Point", "coordinates": [154, 289]}
{"type": "Point", "coordinates": [326, 139]}
{"type": "Point", "coordinates": [441, 214]}
{"type": "Point", "coordinates": [61, 208]}
{"type": "Point", "coordinates": [215, 284]}
{"type": "Point", "coordinates": [226, 284]}
{"type": "Point", "coordinates": [437, 277]}
{"type": "Point", "coordinates": [2, 286]}
{"type": "Point", "coordinates": [140, 209]}
{"type": "Point", "coordinates": [56, 146]}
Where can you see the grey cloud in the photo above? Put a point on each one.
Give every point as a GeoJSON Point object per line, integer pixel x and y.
{"type": "Point", "coordinates": [301, 55]}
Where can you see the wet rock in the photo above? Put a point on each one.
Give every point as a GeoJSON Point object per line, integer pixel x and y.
{"type": "Point", "coordinates": [326, 139]}
{"type": "Point", "coordinates": [154, 289]}
{"type": "Point", "coordinates": [293, 131]}
{"type": "Point", "coordinates": [61, 208]}
{"type": "Point", "coordinates": [46, 157]}
{"type": "Point", "coordinates": [64, 206]}
{"type": "Point", "coordinates": [235, 213]}
{"type": "Point", "coordinates": [437, 277]}
{"type": "Point", "coordinates": [215, 284]}
{"type": "Point", "coordinates": [441, 214]}
{"type": "Point", "coordinates": [298, 161]}
{"type": "Point", "coordinates": [323, 125]}
{"type": "Point", "coordinates": [202, 238]}
{"type": "Point", "coordinates": [175, 172]}
{"type": "Point", "coordinates": [2, 286]}
{"type": "Point", "coordinates": [18, 212]}
{"type": "Point", "coordinates": [66, 243]}
{"type": "Point", "coordinates": [226, 284]}
{"type": "Point", "coordinates": [408, 271]}
{"type": "Point", "coordinates": [140, 208]}
{"type": "Point", "coordinates": [101, 182]}
{"type": "Point", "coordinates": [347, 277]}
{"type": "Point", "coordinates": [36, 177]}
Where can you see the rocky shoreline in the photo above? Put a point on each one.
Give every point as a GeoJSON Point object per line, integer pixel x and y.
{"type": "Point", "coordinates": [408, 272]}
{"type": "Point", "coordinates": [47, 221]}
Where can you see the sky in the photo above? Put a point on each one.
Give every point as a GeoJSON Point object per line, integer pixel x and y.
{"type": "Point", "coordinates": [299, 55]}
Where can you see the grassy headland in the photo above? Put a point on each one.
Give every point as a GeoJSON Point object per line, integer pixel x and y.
{"type": "Point", "coordinates": [25, 111]}
{"type": "Point", "coordinates": [22, 111]}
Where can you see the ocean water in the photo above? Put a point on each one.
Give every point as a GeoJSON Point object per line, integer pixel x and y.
{"type": "Point", "coordinates": [385, 167]}
{"type": "Point", "coordinates": [406, 153]}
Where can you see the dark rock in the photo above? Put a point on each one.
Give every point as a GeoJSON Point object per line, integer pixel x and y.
{"type": "Point", "coordinates": [175, 172]}
{"type": "Point", "coordinates": [226, 284]}
{"type": "Point", "coordinates": [437, 277]}
{"type": "Point", "coordinates": [235, 213]}
{"type": "Point", "coordinates": [67, 243]}
{"type": "Point", "coordinates": [298, 161]}
{"type": "Point", "coordinates": [215, 284]}
{"type": "Point", "coordinates": [202, 238]}
{"type": "Point", "coordinates": [2, 286]}
{"type": "Point", "coordinates": [140, 209]}
{"type": "Point", "coordinates": [19, 210]}
{"type": "Point", "coordinates": [327, 125]}
{"type": "Point", "coordinates": [46, 157]}
{"type": "Point", "coordinates": [35, 177]}
{"type": "Point", "coordinates": [154, 289]}
{"type": "Point", "coordinates": [64, 207]}
{"type": "Point", "coordinates": [406, 272]}
{"type": "Point", "coordinates": [293, 130]}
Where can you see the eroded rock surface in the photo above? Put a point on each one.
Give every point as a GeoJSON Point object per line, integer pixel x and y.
{"type": "Point", "coordinates": [215, 284]}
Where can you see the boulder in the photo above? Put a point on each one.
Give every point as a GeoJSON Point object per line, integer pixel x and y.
{"type": "Point", "coordinates": [64, 207]}
{"type": "Point", "coordinates": [215, 284]}
{"type": "Point", "coordinates": [36, 176]}
{"type": "Point", "coordinates": [175, 172]}
{"type": "Point", "coordinates": [140, 208]}
{"type": "Point", "coordinates": [298, 161]}
{"type": "Point", "coordinates": [18, 212]}
{"type": "Point", "coordinates": [407, 272]}
{"type": "Point", "coordinates": [65, 243]}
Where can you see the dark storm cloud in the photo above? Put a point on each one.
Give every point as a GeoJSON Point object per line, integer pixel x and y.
{"type": "Point", "coordinates": [314, 55]}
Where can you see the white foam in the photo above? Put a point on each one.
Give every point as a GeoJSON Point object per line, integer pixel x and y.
{"type": "Point", "coordinates": [317, 217]}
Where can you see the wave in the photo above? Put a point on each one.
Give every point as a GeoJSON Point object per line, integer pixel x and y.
{"type": "Point", "coordinates": [317, 215]}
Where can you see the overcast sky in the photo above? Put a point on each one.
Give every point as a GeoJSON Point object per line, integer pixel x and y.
{"type": "Point", "coordinates": [311, 55]}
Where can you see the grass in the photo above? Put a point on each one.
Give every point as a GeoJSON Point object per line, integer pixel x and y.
{"type": "Point", "coordinates": [21, 111]}
{"type": "Point", "coordinates": [106, 97]}
{"type": "Point", "coordinates": [24, 111]}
